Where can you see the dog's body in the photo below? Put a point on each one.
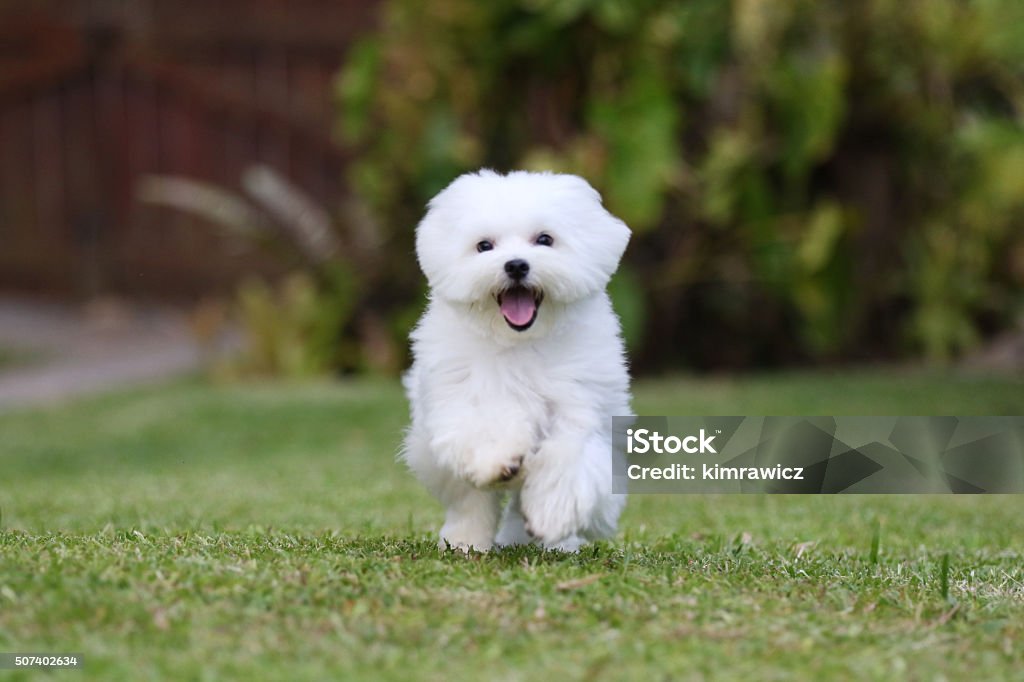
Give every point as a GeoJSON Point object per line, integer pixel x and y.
{"type": "Point", "coordinates": [519, 363]}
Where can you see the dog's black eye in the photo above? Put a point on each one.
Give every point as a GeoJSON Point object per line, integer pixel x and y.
{"type": "Point", "coordinates": [484, 245]}
{"type": "Point", "coordinates": [544, 239]}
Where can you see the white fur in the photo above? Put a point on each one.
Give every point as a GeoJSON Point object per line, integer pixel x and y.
{"type": "Point", "coordinates": [486, 398]}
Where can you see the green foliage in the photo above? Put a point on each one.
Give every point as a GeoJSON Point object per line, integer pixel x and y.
{"type": "Point", "coordinates": [294, 330]}
{"type": "Point", "coordinates": [638, 128]}
{"type": "Point", "coordinates": [847, 176]}
{"type": "Point", "coordinates": [628, 298]}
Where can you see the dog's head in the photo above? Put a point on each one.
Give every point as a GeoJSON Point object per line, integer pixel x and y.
{"type": "Point", "coordinates": [512, 246]}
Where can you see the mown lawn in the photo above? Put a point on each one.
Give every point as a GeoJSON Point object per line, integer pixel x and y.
{"type": "Point", "coordinates": [265, 532]}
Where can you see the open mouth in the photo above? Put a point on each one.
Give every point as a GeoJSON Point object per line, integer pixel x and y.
{"type": "Point", "coordinates": [519, 305]}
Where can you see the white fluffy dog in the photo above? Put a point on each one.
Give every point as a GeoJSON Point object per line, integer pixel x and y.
{"type": "Point", "coordinates": [519, 363]}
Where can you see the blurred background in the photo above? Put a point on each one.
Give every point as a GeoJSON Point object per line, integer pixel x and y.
{"type": "Point", "coordinates": [234, 183]}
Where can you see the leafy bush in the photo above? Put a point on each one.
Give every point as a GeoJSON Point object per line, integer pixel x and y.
{"type": "Point", "coordinates": [326, 315]}
{"type": "Point", "coordinates": [294, 330]}
{"type": "Point", "coordinates": [806, 180]}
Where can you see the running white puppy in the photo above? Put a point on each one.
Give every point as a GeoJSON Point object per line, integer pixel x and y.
{"type": "Point", "coordinates": [519, 363]}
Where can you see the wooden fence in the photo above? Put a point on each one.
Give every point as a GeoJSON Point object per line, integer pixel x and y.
{"type": "Point", "coordinates": [89, 106]}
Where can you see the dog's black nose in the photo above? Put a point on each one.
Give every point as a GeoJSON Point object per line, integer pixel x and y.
{"type": "Point", "coordinates": [517, 268]}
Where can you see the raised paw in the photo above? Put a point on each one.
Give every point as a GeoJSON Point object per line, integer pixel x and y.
{"type": "Point", "coordinates": [511, 469]}
{"type": "Point", "coordinates": [497, 472]}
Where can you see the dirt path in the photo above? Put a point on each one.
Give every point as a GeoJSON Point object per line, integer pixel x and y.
{"type": "Point", "coordinates": [67, 351]}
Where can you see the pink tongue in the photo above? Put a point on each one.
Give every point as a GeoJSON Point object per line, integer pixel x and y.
{"type": "Point", "coordinates": [518, 306]}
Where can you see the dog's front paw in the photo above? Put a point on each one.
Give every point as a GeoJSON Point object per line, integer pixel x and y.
{"type": "Point", "coordinates": [466, 534]}
{"type": "Point", "coordinates": [487, 467]}
{"type": "Point", "coordinates": [510, 469]}
{"type": "Point", "coordinates": [551, 514]}
{"type": "Point", "coordinates": [486, 453]}
{"type": "Point", "coordinates": [550, 529]}
{"type": "Point", "coordinates": [446, 545]}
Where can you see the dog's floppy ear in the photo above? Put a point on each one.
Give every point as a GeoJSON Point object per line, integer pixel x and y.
{"type": "Point", "coordinates": [433, 251]}
{"type": "Point", "coordinates": [612, 235]}
{"type": "Point", "coordinates": [618, 234]}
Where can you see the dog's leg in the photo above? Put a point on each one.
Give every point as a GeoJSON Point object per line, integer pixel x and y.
{"type": "Point", "coordinates": [570, 544]}
{"type": "Point", "coordinates": [484, 448]}
{"type": "Point", "coordinates": [512, 531]}
{"type": "Point", "coordinates": [567, 490]}
{"type": "Point", "coordinates": [596, 473]}
{"type": "Point", "coordinates": [471, 518]}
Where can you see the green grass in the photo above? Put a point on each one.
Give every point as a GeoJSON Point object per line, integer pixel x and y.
{"type": "Point", "coordinates": [265, 532]}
